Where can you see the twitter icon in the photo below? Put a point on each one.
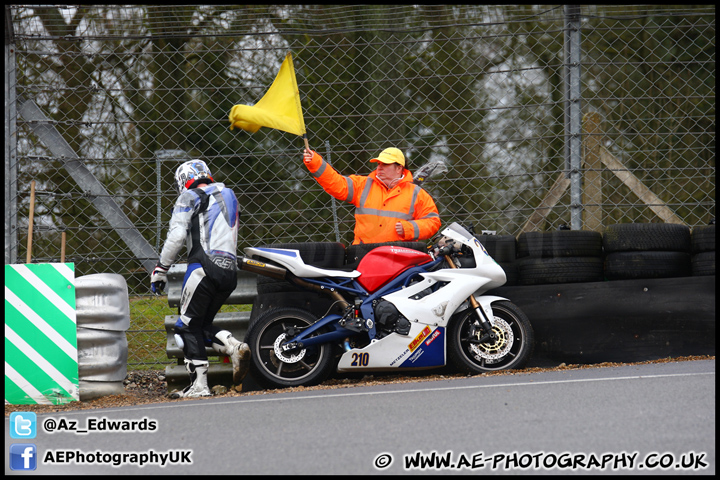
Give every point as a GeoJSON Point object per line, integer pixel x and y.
{"type": "Point", "coordinates": [23, 425]}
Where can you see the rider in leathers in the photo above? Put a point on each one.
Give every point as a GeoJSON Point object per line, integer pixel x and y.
{"type": "Point", "coordinates": [205, 217]}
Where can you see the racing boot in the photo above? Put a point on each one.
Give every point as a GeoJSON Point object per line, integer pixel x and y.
{"type": "Point", "coordinates": [198, 380]}
{"type": "Point", "coordinates": [239, 353]}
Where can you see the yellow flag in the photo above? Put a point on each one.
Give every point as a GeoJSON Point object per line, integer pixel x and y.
{"type": "Point", "coordinates": [279, 108]}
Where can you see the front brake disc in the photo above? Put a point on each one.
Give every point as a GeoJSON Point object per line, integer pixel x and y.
{"type": "Point", "coordinates": [494, 352]}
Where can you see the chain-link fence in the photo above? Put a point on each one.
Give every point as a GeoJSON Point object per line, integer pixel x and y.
{"type": "Point", "coordinates": [543, 115]}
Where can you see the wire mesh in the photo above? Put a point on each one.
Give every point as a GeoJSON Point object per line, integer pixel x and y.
{"type": "Point", "coordinates": [135, 90]}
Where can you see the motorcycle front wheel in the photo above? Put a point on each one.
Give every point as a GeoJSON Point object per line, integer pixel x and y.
{"type": "Point", "coordinates": [273, 367]}
{"type": "Point", "coordinates": [511, 349]}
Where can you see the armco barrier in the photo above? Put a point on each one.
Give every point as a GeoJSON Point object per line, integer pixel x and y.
{"type": "Point", "coordinates": [103, 318]}
{"type": "Point", "coordinates": [609, 321]}
{"type": "Point", "coordinates": [245, 292]}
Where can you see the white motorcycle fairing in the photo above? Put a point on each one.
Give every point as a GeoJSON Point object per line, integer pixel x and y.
{"type": "Point", "coordinates": [437, 307]}
{"type": "Point", "coordinates": [292, 260]}
{"type": "Point", "coordinates": [397, 351]}
{"type": "Point", "coordinates": [423, 347]}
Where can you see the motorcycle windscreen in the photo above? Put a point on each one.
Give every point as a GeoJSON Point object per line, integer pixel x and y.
{"type": "Point", "coordinates": [382, 264]}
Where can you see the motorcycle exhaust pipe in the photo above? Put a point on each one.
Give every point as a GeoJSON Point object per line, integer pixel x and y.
{"type": "Point", "coordinates": [334, 294]}
{"type": "Point", "coordinates": [262, 268]}
{"type": "Point", "coordinates": [280, 273]}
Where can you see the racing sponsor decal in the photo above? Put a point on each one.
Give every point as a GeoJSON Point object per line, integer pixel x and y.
{"type": "Point", "coordinates": [400, 357]}
{"type": "Point", "coordinates": [435, 334]}
{"type": "Point", "coordinates": [429, 350]}
{"type": "Point", "coordinates": [418, 340]}
{"type": "Point", "coordinates": [416, 355]}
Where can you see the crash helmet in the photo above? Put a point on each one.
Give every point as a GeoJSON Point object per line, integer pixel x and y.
{"type": "Point", "coordinates": [190, 174]}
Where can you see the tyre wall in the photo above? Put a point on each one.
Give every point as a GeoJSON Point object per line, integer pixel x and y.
{"type": "Point", "coordinates": [635, 292]}
{"type": "Point", "coordinates": [619, 321]}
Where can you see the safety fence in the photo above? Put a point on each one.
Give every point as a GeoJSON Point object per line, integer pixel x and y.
{"type": "Point", "coordinates": [541, 115]}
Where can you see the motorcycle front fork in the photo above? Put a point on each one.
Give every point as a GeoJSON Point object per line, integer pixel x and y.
{"type": "Point", "coordinates": [488, 335]}
{"type": "Point", "coordinates": [488, 332]}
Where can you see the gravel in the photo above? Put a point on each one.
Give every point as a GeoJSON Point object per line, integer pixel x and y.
{"type": "Point", "coordinates": [149, 386]}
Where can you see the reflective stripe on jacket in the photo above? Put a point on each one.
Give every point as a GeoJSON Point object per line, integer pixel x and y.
{"type": "Point", "coordinates": [378, 209]}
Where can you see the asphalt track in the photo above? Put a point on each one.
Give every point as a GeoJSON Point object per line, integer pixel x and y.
{"type": "Point", "coordinates": [632, 419]}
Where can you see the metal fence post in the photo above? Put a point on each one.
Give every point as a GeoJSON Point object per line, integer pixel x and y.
{"type": "Point", "coordinates": [573, 117]}
{"type": "Point", "coordinates": [11, 210]}
{"type": "Point", "coordinates": [334, 204]}
{"type": "Point", "coordinates": [159, 201]}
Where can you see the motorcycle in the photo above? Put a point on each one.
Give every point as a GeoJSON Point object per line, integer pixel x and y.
{"type": "Point", "coordinates": [400, 309]}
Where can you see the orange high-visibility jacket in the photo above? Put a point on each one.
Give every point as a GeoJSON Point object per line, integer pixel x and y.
{"type": "Point", "coordinates": [378, 209]}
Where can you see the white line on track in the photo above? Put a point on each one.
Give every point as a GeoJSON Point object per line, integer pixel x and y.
{"type": "Point", "coordinates": [333, 393]}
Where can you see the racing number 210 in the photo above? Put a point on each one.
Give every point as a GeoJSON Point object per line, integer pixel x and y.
{"type": "Point", "coordinates": [360, 359]}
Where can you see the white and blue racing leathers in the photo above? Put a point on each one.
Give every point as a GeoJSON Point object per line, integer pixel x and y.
{"type": "Point", "coordinates": [206, 220]}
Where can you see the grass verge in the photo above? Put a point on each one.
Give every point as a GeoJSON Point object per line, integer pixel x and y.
{"type": "Point", "coordinates": [146, 336]}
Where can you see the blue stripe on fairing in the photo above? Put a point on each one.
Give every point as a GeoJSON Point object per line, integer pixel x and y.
{"type": "Point", "coordinates": [278, 251]}
{"type": "Point", "coordinates": [432, 355]}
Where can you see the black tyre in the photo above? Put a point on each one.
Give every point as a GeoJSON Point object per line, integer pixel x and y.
{"type": "Point", "coordinates": [273, 368]}
{"type": "Point", "coordinates": [511, 273]}
{"type": "Point", "coordinates": [702, 239]}
{"type": "Point", "coordinates": [512, 349]}
{"type": "Point", "coordinates": [629, 237]}
{"type": "Point", "coordinates": [355, 253]}
{"type": "Point", "coordinates": [636, 265]}
{"type": "Point", "coordinates": [502, 248]}
{"type": "Point", "coordinates": [703, 264]}
{"type": "Point", "coordinates": [562, 243]}
{"type": "Point", "coordinates": [543, 271]}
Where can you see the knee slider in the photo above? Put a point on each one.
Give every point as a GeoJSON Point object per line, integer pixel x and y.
{"type": "Point", "coordinates": [187, 341]}
{"type": "Point", "coordinates": [179, 341]}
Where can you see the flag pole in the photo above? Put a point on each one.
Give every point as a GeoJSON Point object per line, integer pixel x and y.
{"type": "Point", "coordinates": [307, 145]}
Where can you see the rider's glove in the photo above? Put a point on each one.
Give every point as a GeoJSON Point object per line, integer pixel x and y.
{"type": "Point", "coordinates": [446, 246]}
{"type": "Point", "coordinates": [158, 278]}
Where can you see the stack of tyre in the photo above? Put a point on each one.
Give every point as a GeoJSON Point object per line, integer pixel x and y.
{"type": "Point", "coordinates": [503, 249]}
{"type": "Point", "coordinates": [562, 256]}
{"type": "Point", "coordinates": [647, 250]}
{"type": "Point", "coordinates": [702, 246]}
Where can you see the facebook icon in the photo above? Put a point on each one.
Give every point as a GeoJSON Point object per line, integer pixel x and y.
{"type": "Point", "coordinates": [23, 456]}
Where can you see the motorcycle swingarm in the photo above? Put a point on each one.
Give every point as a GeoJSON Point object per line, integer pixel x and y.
{"type": "Point", "coordinates": [304, 339]}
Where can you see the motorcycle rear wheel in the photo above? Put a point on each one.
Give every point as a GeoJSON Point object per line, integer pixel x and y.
{"type": "Point", "coordinates": [512, 350]}
{"type": "Point", "coordinates": [273, 368]}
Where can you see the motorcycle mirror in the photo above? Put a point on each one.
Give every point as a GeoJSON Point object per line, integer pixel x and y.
{"type": "Point", "coordinates": [430, 169]}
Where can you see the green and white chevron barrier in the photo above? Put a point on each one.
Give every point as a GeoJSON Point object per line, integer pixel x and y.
{"type": "Point", "coordinates": [41, 360]}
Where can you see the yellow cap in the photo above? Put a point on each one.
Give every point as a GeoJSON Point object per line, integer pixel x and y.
{"type": "Point", "coordinates": [390, 155]}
